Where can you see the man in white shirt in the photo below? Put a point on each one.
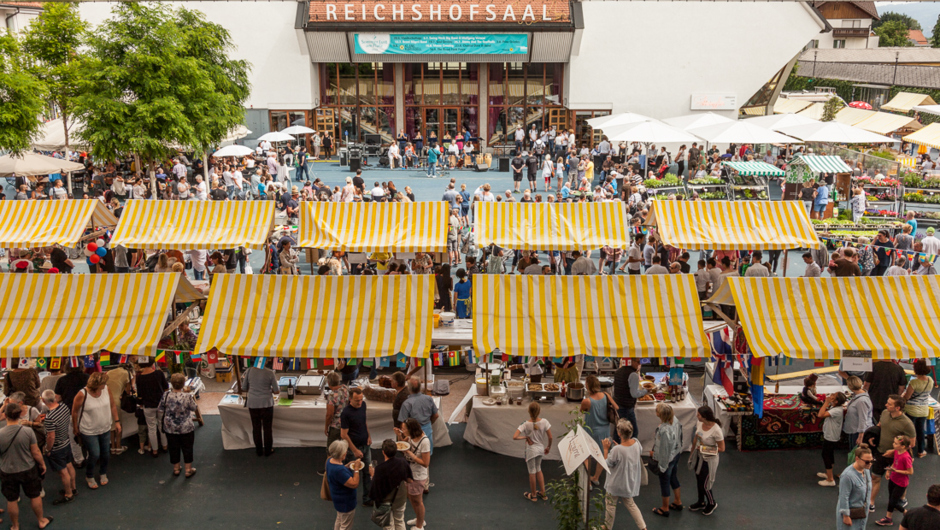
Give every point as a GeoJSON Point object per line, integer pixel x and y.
{"type": "Point", "coordinates": [228, 181]}
{"type": "Point", "coordinates": [378, 194]}
{"type": "Point", "coordinates": [656, 268]}
{"type": "Point", "coordinates": [635, 255]}
{"type": "Point", "coordinates": [198, 258]}
{"type": "Point", "coordinates": [756, 269]}
{"type": "Point", "coordinates": [533, 135]}
{"type": "Point", "coordinates": [139, 189]}
{"type": "Point", "coordinates": [812, 270]}
{"type": "Point", "coordinates": [931, 243]}
{"type": "Point", "coordinates": [394, 157]}
{"type": "Point", "coordinates": [179, 169]}
{"type": "Point", "coordinates": [582, 265]}
{"type": "Point", "coordinates": [199, 189]}
{"type": "Point", "coordinates": [239, 183]}
{"type": "Point", "coordinates": [265, 146]}
{"type": "Point", "coordinates": [520, 136]}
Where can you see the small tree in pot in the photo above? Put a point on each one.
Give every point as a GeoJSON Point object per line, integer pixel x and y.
{"type": "Point", "coordinates": [565, 494]}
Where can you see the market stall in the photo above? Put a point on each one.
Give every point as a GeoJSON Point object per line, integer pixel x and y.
{"type": "Point", "coordinates": [905, 101]}
{"type": "Point", "coordinates": [791, 317]}
{"type": "Point", "coordinates": [374, 226]}
{"type": "Point", "coordinates": [821, 168]}
{"type": "Point", "coordinates": [32, 224]}
{"type": "Point", "coordinates": [749, 180]}
{"type": "Point", "coordinates": [284, 317]}
{"type": "Point", "coordinates": [186, 225]}
{"type": "Point", "coordinates": [729, 225]}
{"type": "Point", "coordinates": [551, 226]}
{"type": "Point", "coordinates": [550, 317]}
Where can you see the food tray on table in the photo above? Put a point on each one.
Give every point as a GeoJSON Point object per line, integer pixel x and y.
{"type": "Point", "coordinates": [546, 391]}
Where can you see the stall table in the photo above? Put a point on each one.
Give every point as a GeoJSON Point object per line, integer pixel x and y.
{"type": "Point", "coordinates": [301, 424]}
{"type": "Point", "coordinates": [491, 427]}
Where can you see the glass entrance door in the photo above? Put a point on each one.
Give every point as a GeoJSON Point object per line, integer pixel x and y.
{"type": "Point", "coordinates": [451, 122]}
{"type": "Point", "coordinates": [432, 123]}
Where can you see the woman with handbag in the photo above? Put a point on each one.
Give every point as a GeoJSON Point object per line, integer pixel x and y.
{"type": "Point", "coordinates": [92, 414]}
{"type": "Point", "coordinates": [626, 474]}
{"type": "Point", "coordinates": [667, 448]}
{"type": "Point", "coordinates": [854, 492]}
{"type": "Point", "coordinates": [709, 440]}
{"type": "Point", "coordinates": [600, 411]}
{"type": "Point", "coordinates": [177, 408]}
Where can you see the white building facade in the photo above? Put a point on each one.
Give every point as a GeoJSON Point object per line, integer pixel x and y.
{"type": "Point", "coordinates": [366, 69]}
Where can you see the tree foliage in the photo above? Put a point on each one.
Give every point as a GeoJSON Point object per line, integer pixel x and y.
{"type": "Point", "coordinates": [157, 78]}
{"type": "Point", "coordinates": [21, 97]}
{"type": "Point", "coordinates": [54, 40]}
{"type": "Point", "coordinates": [935, 37]}
{"type": "Point", "coordinates": [831, 108]}
{"type": "Point", "coordinates": [891, 16]}
{"type": "Point", "coordinates": [893, 33]}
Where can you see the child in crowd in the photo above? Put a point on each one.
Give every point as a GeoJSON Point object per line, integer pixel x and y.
{"type": "Point", "coordinates": [899, 475]}
{"type": "Point", "coordinates": [537, 433]}
{"type": "Point", "coordinates": [808, 395]}
{"type": "Point", "coordinates": [832, 413]}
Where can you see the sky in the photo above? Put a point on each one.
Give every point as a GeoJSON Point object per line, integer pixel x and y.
{"type": "Point", "coordinates": [924, 12]}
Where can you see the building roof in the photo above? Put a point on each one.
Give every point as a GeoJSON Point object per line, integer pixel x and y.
{"type": "Point", "coordinates": [907, 55]}
{"type": "Point", "coordinates": [868, 7]}
{"type": "Point", "coordinates": [882, 74]}
{"type": "Point", "coordinates": [918, 37]}
{"type": "Point", "coordinates": [13, 3]}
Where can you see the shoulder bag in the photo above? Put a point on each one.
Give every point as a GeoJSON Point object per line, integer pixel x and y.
{"type": "Point", "coordinates": [325, 485]}
{"type": "Point", "coordinates": [78, 434]}
{"type": "Point", "coordinates": [382, 512]}
{"type": "Point", "coordinates": [612, 416]}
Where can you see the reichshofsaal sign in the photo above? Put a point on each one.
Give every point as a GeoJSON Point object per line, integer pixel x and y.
{"type": "Point", "coordinates": [377, 11]}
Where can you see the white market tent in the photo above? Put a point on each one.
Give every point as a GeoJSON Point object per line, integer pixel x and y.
{"type": "Point", "coordinates": [701, 119]}
{"type": "Point", "coordinates": [649, 132]}
{"type": "Point", "coordinates": [52, 136]}
{"type": "Point", "coordinates": [613, 120]}
{"type": "Point", "coordinates": [929, 109]}
{"type": "Point", "coordinates": [741, 132]}
{"type": "Point", "coordinates": [233, 150]}
{"type": "Point", "coordinates": [835, 132]}
{"type": "Point", "coordinates": [779, 121]}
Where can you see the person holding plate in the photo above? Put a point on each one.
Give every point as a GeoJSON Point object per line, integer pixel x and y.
{"type": "Point", "coordinates": [418, 456]}
{"type": "Point", "coordinates": [343, 483]}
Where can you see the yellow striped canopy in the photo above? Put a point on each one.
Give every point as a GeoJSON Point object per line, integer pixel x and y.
{"type": "Point", "coordinates": [319, 316]}
{"type": "Point", "coordinates": [895, 317]}
{"type": "Point", "coordinates": [194, 224]}
{"type": "Point", "coordinates": [929, 136]}
{"type": "Point", "coordinates": [733, 225]}
{"type": "Point", "coordinates": [552, 226]}
{"type": "Point", "coordinates": [58, 315]}
{"type": "Point", "coordinates": [374, 226]}
{"type": "Point", "coordinates": [606, 316]}
{"type": "Point", "coordinates": [31, 224]}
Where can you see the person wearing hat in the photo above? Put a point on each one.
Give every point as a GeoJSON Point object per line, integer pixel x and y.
{"type": "Point", "coordinates": [22, 263]}
{"type": "Point", "coordinates": [931, 243]}
{"type": "Point", "coordinates": [292, 204]}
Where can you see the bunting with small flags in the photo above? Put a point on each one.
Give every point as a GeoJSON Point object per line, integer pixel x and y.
{"type": "Point", "coordinates": [277, 364]}
{"type": "Point", "coordinates": [56, 363]}
{"type": "Point", "coordinates": [104, 358]}
{"type": "Point", "coordinates": [161, 357]}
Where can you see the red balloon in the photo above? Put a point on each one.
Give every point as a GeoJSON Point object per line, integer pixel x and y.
{"type": "Point", "coordinates": [92, 247]}
{"type": "Point", "coordinates": [94, 258]}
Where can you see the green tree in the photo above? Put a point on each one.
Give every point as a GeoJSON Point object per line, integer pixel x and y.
{"type": "Point", "coordinates": [893, 33]}
{"type": "Point", "coordinates": [53, 41]}
{"type": "Point", "coordinates": [891, 16]}
{"type": "Point", "coordinates": [831, 108]}
{"type": "Point", "coordinates": [935, 37]}
{"type": "Point", "coordinates": [155, 78]}
{"type": "Point", "coordinates": [22, 96]}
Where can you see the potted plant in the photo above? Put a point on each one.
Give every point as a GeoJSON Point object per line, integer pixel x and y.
{"type": "Point", "coordinates": [565, 494]}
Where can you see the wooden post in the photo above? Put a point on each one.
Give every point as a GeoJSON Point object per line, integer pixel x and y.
{"type": "Point", "coordinates": [236, 367]}
{"type": "Point", "coordinates": [786, 255]}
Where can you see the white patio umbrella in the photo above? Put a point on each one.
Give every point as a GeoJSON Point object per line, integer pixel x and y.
{"type": "Point", "coordinates": [701, 119]}
{"type": "Point", "coordinates": [298, 129]}
{"type": "Point", "coordinates": [34, 165]}
{"type": "Point", "coordinates": [741, 132]}
{"type": "Point", "coordinates": [236, 134]}
{"type": "Point", "coordinates": [835, 132]}
{"type": "Point", "coordinates": [275, 136]}
{"type": "Point", "coordinates": [233, 150]}
{"type": "Point", "coordinates": [613, 120]}
{"type": "Point", "coordinates": [647, 133]}
{"type": "Point", "coordinates": [780, 121]}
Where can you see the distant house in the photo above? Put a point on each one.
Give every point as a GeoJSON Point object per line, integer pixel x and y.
{"type": "Point", "coordinates": [917, 37]}
{"type": "Point", "coordinates": [18, 14]}
{"type": "Point", "coordinates": [851, 25]}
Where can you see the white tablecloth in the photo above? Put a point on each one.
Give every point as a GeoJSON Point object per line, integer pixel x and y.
{"type": "Point", "coordinates": [492, 427]}
{"type": "Point", "coordinates": [301, 424]}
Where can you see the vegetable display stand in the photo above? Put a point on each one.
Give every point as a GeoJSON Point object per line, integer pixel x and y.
{"type": "Point", "coordinates": [749, 180]}
{"type": "Point", "coordinates": [880, 194]}
{"type": "Point", "coordinates": [708, 188]}
{"type": "Point", "coordinates": [921, 195]}
{"type": "Point", "coordinates": [661, 189]}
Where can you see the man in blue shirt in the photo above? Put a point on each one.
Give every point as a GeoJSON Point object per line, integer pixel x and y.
{"type": "Point", "coordinates": [420, 407]}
